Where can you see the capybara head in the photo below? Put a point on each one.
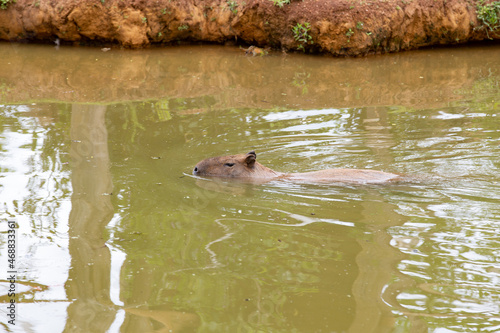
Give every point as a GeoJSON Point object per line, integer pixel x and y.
{"type": "Point", "coordinates": [235, 166]}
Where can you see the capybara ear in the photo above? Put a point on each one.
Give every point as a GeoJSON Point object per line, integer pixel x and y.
{"type": "Point", "coordinates": [250, 159]}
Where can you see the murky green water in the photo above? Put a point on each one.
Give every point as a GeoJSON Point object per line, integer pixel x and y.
{"type": "Point", "coordinates": [115, 235]}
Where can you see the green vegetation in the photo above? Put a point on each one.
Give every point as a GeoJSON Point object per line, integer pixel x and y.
{"type": "Point", "coordinates": [280, 3]}
{"type": "Point", "coordinates": [489, 14]}
{"type": "Point", "coordinates": [359, 25]}
{"type": "Point", "coordinates": [5, 3]}
{"type": "Point", "coordinates": [349, 33]}
{"type": "Point", "coordinates": [233, 5]}
{"type": "Point", "coordinates": [144, 20]}
{"type": "Point", "coordinates": [183, 27]}
{"type": "Point", "coordinates": [301, 35]}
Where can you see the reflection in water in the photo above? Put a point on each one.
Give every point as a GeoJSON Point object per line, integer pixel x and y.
{"type": "Point", "coordinates": [149, 248]}
{"type": "Point", "coordinates": [197, 79]}
{"type": "Point", "coordinates": [451, 249]}
{"type": "Point", "coordinates": [89, 276]}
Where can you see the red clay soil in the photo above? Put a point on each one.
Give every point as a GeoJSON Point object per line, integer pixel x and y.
{"type": "Point", "coordinates": [338, 27]}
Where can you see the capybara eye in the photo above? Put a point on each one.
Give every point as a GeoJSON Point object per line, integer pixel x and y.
{"type": "Point", "coordinates": [229, 164]}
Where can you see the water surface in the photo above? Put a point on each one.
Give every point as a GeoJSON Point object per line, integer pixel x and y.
{"type": "Point", "coordinates": [115, 235]}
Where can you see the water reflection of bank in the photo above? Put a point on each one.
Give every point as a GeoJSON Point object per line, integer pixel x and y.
{"type": "Point", "coordinates": [208, 77]}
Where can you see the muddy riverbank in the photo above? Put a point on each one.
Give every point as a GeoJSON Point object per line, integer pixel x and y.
{"type": "Point", "coordinates": [337, 27]}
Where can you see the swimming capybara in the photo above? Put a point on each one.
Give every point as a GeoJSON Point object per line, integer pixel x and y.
{"type": "Point", "coordinates": [245, 167]}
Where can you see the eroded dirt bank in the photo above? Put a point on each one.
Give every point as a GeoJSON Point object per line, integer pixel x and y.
{"type": "Point", "coordinates": [339, 27]}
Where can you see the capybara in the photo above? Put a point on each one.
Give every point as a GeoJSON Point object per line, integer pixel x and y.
{"type": "Point", "coordinates": [245, 167]}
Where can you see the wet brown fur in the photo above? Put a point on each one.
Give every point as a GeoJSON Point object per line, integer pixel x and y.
{"type": "Point", "coordinates": [245, 166]}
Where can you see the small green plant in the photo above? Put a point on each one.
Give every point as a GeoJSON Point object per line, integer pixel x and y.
{"type": "Point", "coordinates": [489, 15]}
{"type": "Point", "coordinates": [233, 5]}
{"type": "Point", "coordinates": [5, 3]}
{"type": "Point", "coordinates": [359, 25]}
{"type": "Point", "coordinates": [280, 3]}
{"type": "Point", "coordinates": [144, 20]}
{"type": "Point", "coordinates": [164, 11]}
{"type": "Point", "coordinates": [183, 27]}
{"type": "Point", "coordinates": [160, 34]}
{"type": "Point", "coordinates": [301, 35]}
{"type": "Point", "coordinates": [349, 33]}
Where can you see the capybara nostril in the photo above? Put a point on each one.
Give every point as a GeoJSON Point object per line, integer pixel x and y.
{"type": "Point", "coordinates": [195, 170]}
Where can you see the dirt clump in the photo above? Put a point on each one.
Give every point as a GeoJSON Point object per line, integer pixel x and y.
{"type": "Point", "coordinates": [337, 27]}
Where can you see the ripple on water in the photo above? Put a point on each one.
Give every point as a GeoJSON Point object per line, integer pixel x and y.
{"type": "Point", "coordinates": [451, 240]}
